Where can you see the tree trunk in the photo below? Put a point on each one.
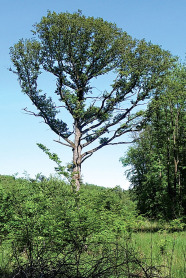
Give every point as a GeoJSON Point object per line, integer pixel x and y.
{"type": "Point", "coordinates": [77, 158]}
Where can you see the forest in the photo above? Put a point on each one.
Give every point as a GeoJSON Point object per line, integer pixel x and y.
{"type": "Point", "coordinates": [59, 226]}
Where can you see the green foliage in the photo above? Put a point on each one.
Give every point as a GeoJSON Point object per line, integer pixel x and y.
{"type": "Point", "coordinates": [47, 227]}
{"type": "Point", "coordinates": [54, 157]}
{"type": "Point", "coordinates": [177, 225]}
{"type": "Point", "coordinates": [157, 159]}
{"type": "Point", "coordinates": [77, 233]}
{"type": "Point", "coordinates": [76, 50]}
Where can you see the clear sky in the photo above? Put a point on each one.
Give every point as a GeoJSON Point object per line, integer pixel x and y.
{"type": "Point", "coordinates": [162, 22]}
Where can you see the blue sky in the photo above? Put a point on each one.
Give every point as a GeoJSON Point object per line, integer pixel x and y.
{"type": "Point", "coordinates": [159, 21]}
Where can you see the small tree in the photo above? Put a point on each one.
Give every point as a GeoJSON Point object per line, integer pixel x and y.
{"type": "Point", "coordinates": [76, 50]}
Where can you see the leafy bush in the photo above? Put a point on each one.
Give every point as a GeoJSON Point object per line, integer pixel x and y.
{"type": "Point", "coordinates": [51, 230]}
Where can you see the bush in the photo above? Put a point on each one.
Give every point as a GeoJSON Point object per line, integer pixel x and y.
{"type": "Point", "coordinates": [53, 231]}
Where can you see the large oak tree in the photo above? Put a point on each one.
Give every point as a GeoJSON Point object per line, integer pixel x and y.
{"type": "Point", "coordinates": [76, 50]}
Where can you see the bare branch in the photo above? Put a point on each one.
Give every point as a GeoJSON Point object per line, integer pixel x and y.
{"type": "Point", "coordinates": [105, 129]}
{"type": "Point", "coordinates": [88, 153]}
{"type": "Point", "coordinates": [30, 112]}
{"type": "Point", "coordinates": [86, 157]}
{"type": "Point", "coordinates": [119, 143]}
{"type": "Point", "coordinates": [98, 113]}
{"type": "Point", "coordinates": [71, 144]}
{"type": "Point", "coordinates": [68, 145]}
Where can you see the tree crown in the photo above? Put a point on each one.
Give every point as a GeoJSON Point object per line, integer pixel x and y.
{"type": "Point", "coordinates": [76, 50]}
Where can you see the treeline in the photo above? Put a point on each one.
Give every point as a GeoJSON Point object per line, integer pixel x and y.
{"type": "Point", "coordinates": [157, 160]}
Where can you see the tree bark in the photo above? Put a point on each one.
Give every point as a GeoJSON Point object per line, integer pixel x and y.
{"type": "Point", "coordinates": [77, 158]}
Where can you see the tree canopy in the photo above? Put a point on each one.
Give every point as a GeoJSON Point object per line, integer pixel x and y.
{"type": "Point", "coordinates": [77, 50]}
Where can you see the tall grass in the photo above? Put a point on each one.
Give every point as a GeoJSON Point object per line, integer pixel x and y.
{"type": "Point", "coordinates": [163, 249]}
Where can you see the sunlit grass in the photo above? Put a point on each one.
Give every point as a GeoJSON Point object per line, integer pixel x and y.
{"type": "Point", "coordinates": [163, 249]}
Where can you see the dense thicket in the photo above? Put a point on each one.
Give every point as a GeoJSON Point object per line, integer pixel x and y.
{"type": "Point", "coordinates": [158, 159]}
{"type": "Point", "coordinates": [50, 231]}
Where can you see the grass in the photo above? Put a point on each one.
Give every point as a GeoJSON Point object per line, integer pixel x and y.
{"type": "Point", "coordinates": [163, 249]}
